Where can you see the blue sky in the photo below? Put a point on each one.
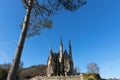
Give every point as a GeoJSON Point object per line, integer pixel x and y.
{"type": "Point", "coordinates": [94, 31]}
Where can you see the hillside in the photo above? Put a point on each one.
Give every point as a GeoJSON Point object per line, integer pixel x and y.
{"type": "Point", "coordinates": [37, 70]}
{"type": "Point", "coordinates": [24, 73]}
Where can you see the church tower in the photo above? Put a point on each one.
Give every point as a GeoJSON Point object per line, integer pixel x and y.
{"type": "Point", "coordinates": [61, 51]}
{"type": "Point", "coordinates": [60, 63]}
{"type": "Point", "coordinates": [70, 57]}
{"type": "Point", "coordinates": [49, 63]}
{"type": "Point", "coordinates": [70, 50]}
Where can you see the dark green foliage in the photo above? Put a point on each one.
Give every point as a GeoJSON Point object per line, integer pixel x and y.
{"type": "Point", "coordinates": [72, 5]}
{"type": "Point", "coordinates": [5, 66]}
{"type": "Point", "coordinates": [43, 10]}
{"type": "Point", "coordinates": [38, 70]}
{"type": "Point", "coordinates": [3, 74]}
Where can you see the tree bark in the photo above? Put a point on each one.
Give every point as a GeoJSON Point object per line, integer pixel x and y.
{"type": "Point", "coordinates": [15, 63]}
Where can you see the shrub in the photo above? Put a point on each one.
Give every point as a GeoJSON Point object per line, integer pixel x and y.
{"type": "Point", "coordinates": [3, 74]}
{"type": "Point", "coordinates": [91, 76]}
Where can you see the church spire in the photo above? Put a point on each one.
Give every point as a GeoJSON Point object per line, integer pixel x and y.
{"type": "Point", "coordinates": [50, 54]}
{"type": "Point", "coordinates": [61, 42]}
{"type": "Point", "coordinates": [51, 49]}
{"type": "Point", "coordinates": [61, 50]}
{"type": "Point", "coordinates": [70, 56]}
{"type": "Point", "coordinates": [49, 62]}
{"type": "Point", "coordinates": [70, 49]}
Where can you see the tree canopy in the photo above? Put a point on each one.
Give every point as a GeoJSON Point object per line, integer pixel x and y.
{"type": "Point", "coordinates": [43, 10]}
{"type": "Point", "coordinates": [93, 68]}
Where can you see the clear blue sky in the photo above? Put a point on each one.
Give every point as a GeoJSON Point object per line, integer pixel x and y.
{"type": "Point", "coordinates": [94, 31]}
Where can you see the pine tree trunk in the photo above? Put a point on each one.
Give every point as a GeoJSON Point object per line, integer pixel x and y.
{"type": "Point", "coordinates": [15, 64]}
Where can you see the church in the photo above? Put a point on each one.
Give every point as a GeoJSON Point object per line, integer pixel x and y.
{"type": "Point", "coordinates": [61, 62]}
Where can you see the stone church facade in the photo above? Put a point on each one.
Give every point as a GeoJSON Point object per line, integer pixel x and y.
{"type": "Point", "coordinates": [60, 63]}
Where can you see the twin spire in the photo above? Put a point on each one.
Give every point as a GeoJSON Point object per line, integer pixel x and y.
{"type": "Point", "coordinates": [61, 46]}
{"type": "Point", "coordinates": [62, 60]}
{"type": "Point", "coordinates": [61, 49]}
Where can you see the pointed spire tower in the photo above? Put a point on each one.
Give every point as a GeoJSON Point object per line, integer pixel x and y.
{"type": "Point", "coordinates": [51, 49]}
{"type": "Point", "coordinates": [50, 55]}
{"type": "Point", "coordinates": [49, 70]}
{"type": "Point", "coordinates": [61, 51]}
{"type": "Point", "coordinates": [70, 50]}
{"type": "Point", "coordinates": [70, 56]}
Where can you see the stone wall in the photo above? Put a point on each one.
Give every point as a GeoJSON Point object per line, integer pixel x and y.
{"type": "Point", "coordinates": [57, 78]}
{"type": "Point", "coordinates": [76, 77]}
